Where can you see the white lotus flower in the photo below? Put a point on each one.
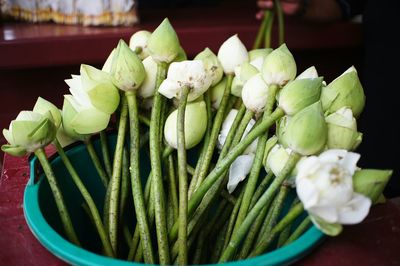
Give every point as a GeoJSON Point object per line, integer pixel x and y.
{"type": "Point", "coordinates": [148, 86]}
{"type": "Point", "coordinates": [186, 73]}
{"type": "Point", "coordinates": [254, 94]}
{"type": "Point", "coordinates": [232, 53]}
{"type": "Point", "coordinates": [238, 171]}
{"type": "Point", "coordinates": [325, 186]}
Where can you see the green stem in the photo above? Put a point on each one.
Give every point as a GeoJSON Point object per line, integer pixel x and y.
{"type": "Point", "coordinates": [261, 189]}
{"type": "Point", "coordinates": [144, 120]}
{"type": "Point", "coordinates": [159, 204]}
{"type": "Point", "coordinates": [261, 30]}
{"type": "Point", "coordinates": [124, 182]}
{"type": "Point", "coordinates": [219, 244]}
{"type": "Point", "coordinates": [248, 115]}
{"type": "Point", "coordinates": [134, 168]}
{"type": "Point", "coordinates": [268, 32]}
{"type": "Point", "coordinates": [289, 218]}
{"type": "Point", "coordinates": [232, 102]}
{"type": "Point", "coordinates": [299, 231]}
{"type": "Point", "coordinates": [219, 117]}
{"type": "Point", "coordinates": [58, 197]}
{"type": "Point", "coordinates": [94, 213]}
{"type": "Point", "coordinates": [252, 180]}
{"type": "Point", "coordinates": [172, 187]}
{"type": "Point", "coordinates": [182, 176]}
{"type": "Point", "coordinates": [264, 200]}
{"type": "Point", "coordinates": [96, 161]}
{"type": "Point", "coordinates": [115, 181]}
{"type": "Point", "coordinates": [105, 152]}
{"type": "Point", "coordinates": [281, 22]}
{"type": "Point", "coordinates": [232, 219]}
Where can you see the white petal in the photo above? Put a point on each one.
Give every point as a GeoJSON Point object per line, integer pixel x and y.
{"type": "Point", "coordinates": [307, 192]}
{"type": "Point", "coordinates": [327, 213]}
{"type": "Point", "coordinates": [232, 53]}
{"type": "Point", "coordinates": [306, 165]}
{"type": "Point", "coordinates": [309, 73]}
{"type": "Point", "coordinates": [258, 62]}
{"type": "Point", "coordinates": [349, 162]}
{"type": "Point", "coordinates": [28, 116]}
{"type": "Point", "coordinates": [238, 171]}
{"type": "Point", "coordinates": [75, 81]}
{"type": "Point", "coordinates": [226, 126]}
{"type": "Point", "coordinates": [169, 89]}
{"type": "Point", "coordinates": [8, 136]}
{"type": "Point", "coordinates": [332, 156]}
{"type": "Point", "coordinates": [355, 210]}
{"type": "Point", "coordinates": [254, 93]}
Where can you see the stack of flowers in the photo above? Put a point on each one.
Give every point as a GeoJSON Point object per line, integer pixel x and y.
{"type": "Point", "coordinates": [243, 112]}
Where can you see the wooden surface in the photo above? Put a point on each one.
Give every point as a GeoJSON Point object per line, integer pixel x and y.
{"type": "Point", "coordinates": [376, 241]}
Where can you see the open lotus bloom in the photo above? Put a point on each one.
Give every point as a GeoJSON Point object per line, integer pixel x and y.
{"type": "Point", "coordinates": [189, 73]}
{"type": "Point", "coordinates": [279, 67]}
{"type": "Point", "coordinates": [232, 54]}
{"type": "Point", "coordinates": [212, 65]}
{"type": "Point", "coordinates": [345, 91]}
{"type": "Point", "coordinates": [342, 130]}
{"type": "Point", "coordinates": [138, 42]}
{"type": "Point", "coordinates": [195, 125]}
{"type": "Point", "coordinates": [94, 86]}
{"type": "Point", "coordinates": [324, 185]}
{"type": "Point", "coordinates": [28, 132]}
{"type": "Point", "coordinates": [81, 119]}
{"type": "Point", "coordinates": [254, 94]}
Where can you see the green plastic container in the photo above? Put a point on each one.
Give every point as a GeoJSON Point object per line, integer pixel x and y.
{"type": "Point", "coordinates": [43, 219]}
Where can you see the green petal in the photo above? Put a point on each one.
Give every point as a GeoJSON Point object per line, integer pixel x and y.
{"type": "Point", "coordinates": [68, 115]}
{"type": "Point", "coordinates": [43, 106]}
{"type": "Point", "coordinates": [21, 131]}
{"type": "Point", "coordinates": [8, 136]}
{"type": "Point", "coordinates": [371, 182]}
{"type": "Point", "coordinates": [90, 121]}
{"type": "Point", "coordinates": [14, 150]}
{"type": "Point", "coordinates": [44, 133]}
{"type": "Point", "coordinates": [326, 228]}
{"type": "Point", "coordinates": [105, 97]}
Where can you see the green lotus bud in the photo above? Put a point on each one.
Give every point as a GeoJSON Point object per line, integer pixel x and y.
{"type": "Point", "coordinates": [257, 53]}
{"type": "Point", "coordinates": [342, 130]}
{"type": "Point", "coordinates": [371, 182]}
{"type": "Point", "coordinates": [163, 43]}
{"type": "Point", "coordinates": [148, 86]}
{"type": "Point", "coordinates": [309, 73]}
{"type": "Point", "coordinates": [127, 70]}
{"type": "Point", "coordinates": [299, 94]}
{"type": "Point", "coordinates": [281, 126]}
{"type": "Point", "coordinates": [28, 132]}
{"type": "Point", "coordinates": [211, 64]}
{"type": "Point", "coordinates": [268, 146]}
{"type": "Point", "coordinates": [247, 71]}
{"type": "Point", "coordinates": [279, 67]}
{"type": "Point", "coordinates": [232, 54]}
{"type": "Point", "coordinates": [217, 92]}
{"type": "Point", "coordinates": [109, 62]}
{"type": "Point", "coordinates": [138, 43]}
{"type": "Point", "coordinates": [306, 132]}
{"type": "Point", "coordinates": [96, 87]}
{"type": "Point", "coordinates": [345, 90]}
{"type": "Point", "coordinates": [81, 120]}
{"type": "Point", "coordinates": [195, 125]}
{"type": "Point", "coordinates": [46, 108]}
{"type": "Point", "coordinates": [181, 55]}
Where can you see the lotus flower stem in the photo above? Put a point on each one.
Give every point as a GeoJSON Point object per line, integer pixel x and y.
{"type": "Point", "coordinates": [94, 212]}
{"type": "Point", "coordinates": [268, 32]}
{"type": "Point", "coordinates": [115, 182]}
{"type": "Point", "coordinates": [144, 120]}
{"type": "Point", "coordinates": [124, 182]}
{"type": "Point", "coordinates": [232, 219]}
{"type": "Point", "coordinates": [288, 219]}
{"type": "Point", "coordinates": [105, 152]}
{"type": "Point", "coordinates": [299, 231]}
{"type": "Point", "coordinates": [172, 187]}
{"type": "Point", "coordinates": [134, 168]}
{"type": "Point", "coordinates": [281, 21]}
{"type": "Point", "coordinates": [58, 197]}
{"type": "Point", "coordinates": [252, 180]}
{"type": "Point", "coordinates": [264, 200]}
{"type": "Point", "coordinates": [160, 215]}
{"type": "Point", "coordinates": [219, 117]}
{"type": "Point", "coordinates": [232, 102]}
{"type": "Point", "coordinates": [96, 161]}
{"type": "Point", "coordinates": [182, 176]}
{"type": "Point", "coordinates": [219, 244]}
{"type": "Point", "coordinates": [261, 189]}
{"type": "Point", "coordinates": [261, 30]}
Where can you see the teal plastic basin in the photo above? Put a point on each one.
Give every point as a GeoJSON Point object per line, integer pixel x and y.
{"type": "Point", "coordinates": [43, 220]}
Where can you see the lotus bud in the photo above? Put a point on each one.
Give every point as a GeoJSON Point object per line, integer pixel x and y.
{"type": "Point", "coordinates": [148, 86]}
{"type": "Point", "coordinates": [195, 125]}
{"type": "Point", "coordinates": [163, 44]}
{"type": "Point", "coordinates": [259, 53]}
{"type": "Point", "coordinates": [268, 146]}
{"type": "Point", "coordinates": [46, 108]}
{"type": "Point", "coordinates": [186, 73]}
{"type": "Point", "coordinates": [279, 67]}
{"type": "Point", "coordinates": [299, 94]}
{"type": "Point", "coordinates": [247, 71]}
{"type": "Point", "coordinates": [181, 55]}
{"type": "Point", "coordinates": [281, 126]}
{"type": "Point", "coordinates": [127, 70]}
{"type": "Point", "coordinates": [306, 132]}
{"type": "Point", "coordinates": [236, 87]}
{"type": "Point", "coordinates": [94, 86]}
{"type": "Point", "coordinates": [342, 130]}
{"type": "Point", "coordinates": [309, 73]}
{"type": "Point", "coordinates": [217, 92]}
{"type": "Point", "coordinates": [138, 42]}
{"type": "Point", "coordinates": [109, 62]}
{"type": "Point", "coordinates": [371, 182]}
{"type": "Point", "coordinates": [80, 120]}
{"type": "Point", "coordinates": [28, 132]}
{"type": "Point", "coordinates": [345, 90]}
{"type": "Point", "coordinates": [211, 64]}
{"type": "Point", "coordinates": [254, 94]}
{"type": "Point", "coordinates": [277, 158]}
{"type": "Point", "coordinates": [232, 53]}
